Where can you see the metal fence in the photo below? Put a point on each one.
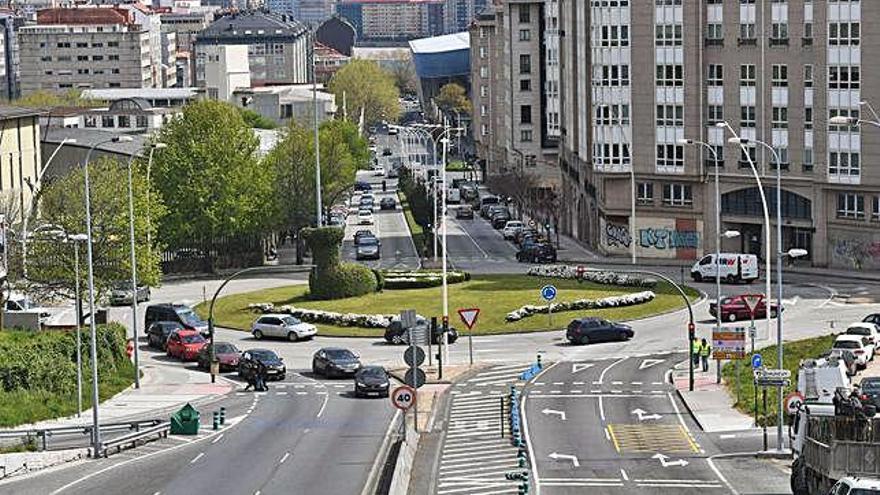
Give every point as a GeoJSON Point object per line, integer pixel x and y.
{"type": "Point", "coordinates": [210, 256]}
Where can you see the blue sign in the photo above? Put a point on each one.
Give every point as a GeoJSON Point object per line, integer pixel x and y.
{"type": "Point", "coordinates": [757, 361]}
{"type": "Point", "coordinates": [548, 292]}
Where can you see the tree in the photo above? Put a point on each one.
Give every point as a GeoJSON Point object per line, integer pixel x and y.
{"type": "Point", "coordinates": [210, 178]}
{"type": "Point", "coordinates": [358, 146]}
{"type": "Point", "coordinates": [51, 261]}
{"type": "Point", "coordinates": [256, 121]}
{"type": "Point", "coordinates": [367, 86]}
{"type": "Point", "coordinates": [404, 73]}
{"type": "Point", "coordinates": [453, 98]}
{"type": "Point", "coordinates": [517, 185]}
{"type": "Point", "coordinates": [331, 279]}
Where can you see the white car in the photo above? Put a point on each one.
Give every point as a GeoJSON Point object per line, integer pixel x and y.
{"type": "Point", "coordinates": [355, 201]}
{"type": "Point", "coordinates": [511, 228]}
{"type": "Point", "coordinates": [869, 330]}
{"type": "Point", "coordinates": [282, 326]}
{"type": "Point", "coordinates": [379, 170]}
{"type": "Point", "coordinates": [857, 486]}
{"type": "Point", "coordinates": [858, 345]}
{"type": "Point", "coordinates": [365, 217]}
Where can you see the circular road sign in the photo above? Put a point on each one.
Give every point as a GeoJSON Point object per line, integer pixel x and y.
{"type": "Point", "coordinates": [548, 292]}
{"type": "Point", "coordinates": [793, 401]}
{"type": "Point", "coordinates": [403, 397]}
{"type": "Point", "coordinates": [757, 361]}
{"type": "Point", "coordinates": [414, 356]}
{"type": "Point", "coordinates": [414, 380]}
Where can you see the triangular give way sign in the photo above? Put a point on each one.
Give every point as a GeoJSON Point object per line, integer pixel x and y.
{"type": "Point", "coordinates": [469, 316]}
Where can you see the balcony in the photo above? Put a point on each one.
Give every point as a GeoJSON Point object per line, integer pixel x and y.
{"type": "Point", "coordinates": [806, 41]}
{"type": "Point", "coordinates": [714, 41]}
{"type": "Point", "coordinates": [747, 42]}
{"type": "Point", "coordinates": [778, 41]}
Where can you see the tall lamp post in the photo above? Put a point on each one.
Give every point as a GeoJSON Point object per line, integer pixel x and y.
{"type": "Point", "coordinates": [444, 139]}
{"type": "Point", "coordinates": [93, 349]}
{"type": "Point", "coordinates": [318, 207]}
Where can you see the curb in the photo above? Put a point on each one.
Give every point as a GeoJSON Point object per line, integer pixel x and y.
{"type": "Point", "coordinates": [689, 410]}
{"type": "Point", "coordinates": [381, 457]}
{"type": "Point", "coordinates": [267, 270]}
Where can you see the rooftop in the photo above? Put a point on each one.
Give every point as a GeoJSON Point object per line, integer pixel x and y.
{"type": "Point", "coordinates": [85, 15]}
{"type": "Point", "coordinates": [289, 92]}
{"type": "Point", "coordinates": [145, 93]}
{"type": "Point", "coordinates": [439, 44]}
{"type": "Point", "coordinates": [86, 138]}
{"type": "Point", "coordinates": [241, 27]}
{"type": "Point", "coordinates": [8, 112]}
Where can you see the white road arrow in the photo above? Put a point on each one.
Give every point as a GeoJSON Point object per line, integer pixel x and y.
{"type": "Point", "coordinates": [642, 416]}
{"type": "Point", "coordinates": [572, 458]}
{"type": "Point", "coordinates": [647, 363]}
{"type": "Point", "coordinates": [665, 462]}
{"type": "Point", "coordinates": [553, 411]}
{"type": "Point", "coordinates": [575, 367]}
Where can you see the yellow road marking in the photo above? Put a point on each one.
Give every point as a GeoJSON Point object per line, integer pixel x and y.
{"type": "Point", "coordinates": [636, 438]}
{"type": "Point", "coordinates": [613, 438]}
{"type": "Point", "coordinates": [690, 439]}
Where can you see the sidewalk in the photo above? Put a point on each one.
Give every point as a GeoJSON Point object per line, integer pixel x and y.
{"type": "Point", "coordinates": [709, 404]}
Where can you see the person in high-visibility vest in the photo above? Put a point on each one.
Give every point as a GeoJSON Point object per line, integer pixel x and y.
{"type": "Point", "coordinates": [695, 351]}
{"type": "Point", "coordinates": [705, 352]}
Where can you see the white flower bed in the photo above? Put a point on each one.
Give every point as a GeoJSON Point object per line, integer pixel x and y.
{"type": "Point", "coordinates": [595, 276]}
{"type": "Point", "coordinates": [327, 317]}
{"type": "Point", "coordinates": [581, 304]}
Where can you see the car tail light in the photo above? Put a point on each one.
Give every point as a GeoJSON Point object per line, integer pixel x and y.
{"type": "Point", "coordinates": [859, 352]}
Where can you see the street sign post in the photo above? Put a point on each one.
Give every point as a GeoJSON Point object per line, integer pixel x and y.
{"type": "Point", "coordinates": [415, 378]}
{"type": "Point", "coordinates": [548, 293]}
{"type": "Point", "coordinates": [757, 361]}
{"type": "Point", "coordinates": [469, 318]}
{"type": "Point", "coordinates": [408, 318]}
{"type": "Point", "coordinates": [414, 356]}
{"type": "Point", "coordinates": [752, 301]}
{"type": "Point", "coordinates": [403, 397]}
{"type": "Point", "coordinates": [765, 377]}
{"type": "Point", "coordinates": [793, 402]}
{"type": "Point", "coordinates": [729, 343]}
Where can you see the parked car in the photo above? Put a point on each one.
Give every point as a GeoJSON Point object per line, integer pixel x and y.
{"type": "Point", "coordinates": [856, 486]}
{"type": "Point", "coordinates": [511, 228]}
{"type": "Point", "coordinates": [393, 173]}
{"type": "Point", "coordinates": [523, 234]}
{"type": "Point", "coordinates": [120, 293]}
{"type": "Point", "coordinates": [493, 210]}
{"type": "Point", "coordinates": [378, 169]}
{"type": "Point", "coordinates": [500, 219]}
{"type": "Point", "coordinates": [735, 308]}
{"type": "Point", "coordinates": [591, 329]}
{"type": "Point", "coordinates": [536, 252]}
{"type": "Point", "coordinates": [16, 301]}
{"type": "Point", "coordinates": [872, 318]}
{"type": "Point", "coordinates": [159, 331]}
{"type": "Point", "coordinates": [227, 355]}
{"type": "Point", "coordinates": [247, 364]}
{"type": "Point", "coordinates": [486, 202]}
{"type": "Point", "coordinates": [849, 360]}
{"type": "Point", "coordinates": [396, 334]}
{"type": "Point", "coordinates": [869, 330]}
{"type": "Point", "coordinates": [871, 390]}
{"type": "Point", "coordinates": [336, 220]}
{"type": "Point", "coordinates": [180, 313]}
{"type": "Point", "coordinates": [856, 344]}
{"type": "Point", "coordinates": [366, 202]}
{"type": "Point", "coordinates": [386, 152]}
{"type": "Point", "coordinates": [464, 211]}
{"type": "Point", "coordinates": [734, 267]}
{"type": "Point", "coordinates": [282, 326]}
{"type": "Point", "coordinates": [371, 380]}
{"type": "Point", "coordinates": [368, 248]}
{"type": "Point", "coordinates": [362, 234]}
{"type": "Point", "coordinates": [387, 203]}
{"type": "Point", "coordinates": [335, 361]}
{"type": "Point", "coordinates": [365, 217]}
{"type": "Point", "coordinates": [185, 344]}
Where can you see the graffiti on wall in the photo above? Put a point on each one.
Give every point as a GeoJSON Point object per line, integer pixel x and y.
{"type": "Point", "coordinates": [669, 239]}
{"type": "Point", "coordinates": [856, 252]}
{"type": "Point", "coordinates": [617, 235]}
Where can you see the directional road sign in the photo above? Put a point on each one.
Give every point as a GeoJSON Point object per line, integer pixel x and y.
{"type": "Point", "coordinates": [729, 343]}
{"type": "Point", "coordinates": [403, 397]}
{"type": "Point", "coordinates": [414, 356]}
{"type": "Point", "coordinates": [548, 292]}
{"type": "Point", "coordinates": [416, 379]}
{"type": "Point", "coordinates": [757, 361]}
{"type": "Point", "coordinates": [469, 316]}
{"type": "Point", "coordinates": [772, 377]}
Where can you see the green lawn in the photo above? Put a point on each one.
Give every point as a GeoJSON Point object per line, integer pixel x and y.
{"type": "Point", "coordinates": [456, 166]}
{"type": "Point", "coordinates": [419, 236]}
{"type": "Point", "coordinates": [495, 295]}
{"type": "Point", "coordinates": [793, 353]}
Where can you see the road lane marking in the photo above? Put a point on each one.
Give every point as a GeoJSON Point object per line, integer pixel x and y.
{"type": "Point", "coordinates": [645, 438]}
{"type": "Point", "coordinates": [323, 405]}
{"type": "Point", "coordinates": [217, 439]}
{"type": "Point", "coordinates": [602, 375]}
{"type": "Point", "coordinates": [623, 474]}
{"type": "Point", "coordinates": [721, 476]}
{"type": "Point", "coordinates": [601, 409]}
{"type": "Point", "coordinates": [196, 458]}
{"type": "Point", "coordinates": [610, 431]}
{"type": "Point", "coordinates": [284, 457]}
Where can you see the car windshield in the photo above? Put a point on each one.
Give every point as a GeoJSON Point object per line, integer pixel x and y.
{"type": "Point", "coordinates": [363, 213]}
{"type": "Point", "coordinates": [846, 344]}
{"type": "Point", "coordinates": [122, 286]}
{"type": "Point", "coordinates": [372, 372]}
{"type": "Point", "coordinates": [340, 354]}
{"type": "Point", "coordinates": [290, 320]}
{"type": "Point", "coordinates": [192, 339]}
{"type": "Point", "coordinates": [225, 349]}
{"type": "Point", "coordinates": [858, 331]}
{"type": "Point", "coordinates": [264, 355]}
{"type": "Point", "coordinates": [864, 491]}
{"type": "Point", "coordinates": [369, 241]}
{"type": "Point", "coordinates": [870, 385]}
{"type": "Point", "coordinates": [189, 317]}
{"type": "Point", "coordinates": [169, 326]}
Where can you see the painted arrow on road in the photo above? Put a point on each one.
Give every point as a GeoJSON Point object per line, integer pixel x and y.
{"type": "Point", "coordinates": [647, 363]}
{"type": "Point", "coordinates": [643, 416]}
{"type": "Point", "coordinates": [553, 411]}
{"type": "Point", "coordinates": [575, 367]}
{"type": "Point", "coordinates": [665, 462]}
{"type": "Point", "coordinates": [572, 458]}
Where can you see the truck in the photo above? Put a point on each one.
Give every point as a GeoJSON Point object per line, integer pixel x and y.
{"type": "Point", "coordinates": [830, 442]}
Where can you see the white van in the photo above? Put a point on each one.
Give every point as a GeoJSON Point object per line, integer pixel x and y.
{"type": "Point", "coordinates": [734, 268]}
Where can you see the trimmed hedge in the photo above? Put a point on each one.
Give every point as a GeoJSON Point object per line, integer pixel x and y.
{"type": "Point", "coordinates": [331, 279]}
{"type": "Point", "coordinates": [422, 279]}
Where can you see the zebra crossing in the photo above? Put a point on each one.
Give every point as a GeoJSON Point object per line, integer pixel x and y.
{"type": "Point", "coordinates": [476, 455]}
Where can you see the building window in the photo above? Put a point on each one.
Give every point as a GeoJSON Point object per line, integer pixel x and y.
{"type": "Point", "coordinates": [97, 58]}
{"type": "Point", "coordinates": [525, 84]}
{"type": "Point", "coordinates": [782, 152]}
{"type": "Point", "coordinates": [124, 121]}
{"type": "Point", "coordinates": [711, 159]}
{"type": "Point", "coordinates": [844, 77]}
{"type": "Point", "coordinates": [667, 35]}
{"type": "Point", "coordinates": [747, 75]}
{"type": "Point", "coordinates": [611, 75]}
{"type": "Point", "coordinates": [113, 57]}
{"type": "Point", "coordinates": [670, 75]}
{"type": "Point", "coordinates": [716, 75]}
{"type": "Point", "coordinates": [780, 118]}
{"type": "Point", "coordinates": [747, 33]}
{"type": "Point", "coordinates": [81, 44]}
{"type": "Point", "coordinates": [844, 163]}
{"type": "Point", "coordinates": [614, 35]}
{"type": "Point", "coordinates": [112, 44]}
{"type": "Point", "coordinates": [141, 121]}
{"type": "Point", "coordinates": [747, 116]}
{"type": "Point", "coordinates": [525, 35]}
{"type": "Point", "coordinates": [670, 156]}
{"type": "Point", "coordinates": [484, 110]}
{"type": "Point", "coordinates": [808, 117]}
{"type": "Point", "coordinates": [525, 14]}
{"type": "Point", "coordinates": [670, 116]}
{"type": "Point", "coordinates": [645, 194]}
{"type": "Point", "coordinates": [82, 58]}
{"type": "Point", "coordinates": [484, 129]}
{"type": "Point", "coordinates": [808, 33]}
{"type": "Point", "coordinates": [525, 135]}
{"type": "Point", "coordinates": [744, 159]}
{"type": "Point", "coordinates": [107, 121]}
{"type": "Point", "coordinates": [91, 121]}
{"type": "Point", "coordinates": [715, 114]}
{"type": "Point", "coordinates": [484, 91]}
{"type": "Point", "coordinates": [875, 208]}
{"type": "Point", "coordinates": [714, 32]}
{"type": "Point", "coordinates": [677, 195]}
{"type": "Point", "coordinates": [780, 76]}
{"type": "Point", "coordinates": [612, 114]}
{"type": "Point", "coordinates": [779, 33]}
{"type": "Point", "coordinates": [808, 160]}
{"type": "Point", "coordinates": [525, 114]}
{"type": "Point", "coordinates": [610, 154]}
{"type": "Point", "coordinates": [483, 52]}
{"type": "Point", "coordinates": [808, 76]}
{"type": "Point", "coordinates": [850, 206]}
{"type": "Point", "coordinates": [525, 64]}
{"type": "Point", "coordinates": [843, 33]}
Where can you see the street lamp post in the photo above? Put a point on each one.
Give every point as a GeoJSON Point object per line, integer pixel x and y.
{"type": "Point", "coordinates": [318, 206]}
{"type": "Point", "coordinates": [93, 350]}
{"type": "Point", "coordinates": [76, 239]}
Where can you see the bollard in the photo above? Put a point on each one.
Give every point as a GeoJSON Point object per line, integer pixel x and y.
{"type": "Point", "coordinates": [216, 420]}
{"type": "Point", "coordinates": [521, 462]}
{"type": "Point", "coordinates": [222, 416]}
{"type": "Point", "coordinates": [539, 362]}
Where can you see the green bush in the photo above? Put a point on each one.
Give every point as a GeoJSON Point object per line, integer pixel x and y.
{"type": "Point", "coordinates": [339, 282]}
{"type": "Point", "coordinates": [380, 280]}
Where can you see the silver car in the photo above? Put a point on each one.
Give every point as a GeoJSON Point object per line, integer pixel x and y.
{"type": "Point", "coordinates": [120, 294]}
{"type": "Point", "coordinates": [282, 326]}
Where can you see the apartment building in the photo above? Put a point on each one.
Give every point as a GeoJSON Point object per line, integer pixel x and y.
{"type": "Point", "coordinates": [390, 20]}
{"type": "Point", "coordinates": [458, 14]}
{"type": "Point", "coordinates": [86, 47]}
{"type": "Point", "coordinates": [311, 12]}
{"type": "Point", "coordinates": [279, 47]}
{"type": "Point", "coordinates": [514, 81]}
{"type": "Point", "coordinates": [636, 81]}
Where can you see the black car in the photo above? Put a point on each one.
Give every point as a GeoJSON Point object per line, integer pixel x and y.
{"type": "Point", "coordinates": [872, 318]}
{"type": "Point", "coordinates": [335, 361]}
{"type": "Point", "coordinates": [179, 313]}
{"type": "Point", "coordinates": [361, 235]}
{"type": "Point", "coordinates": [395, 333]}
{"type": "Point", "coordinates": [871, 390]}
{"type": "Point", "coordinates": [386, 152]}
{"type": "Point", "coordinates": [387, 203]}
{"type": "Point", "coordinates": [592, 329]}
{"type": "Point", "coordinates": [158, 332]}
{"type": "Point", "coordinates": [362, 186]}
{"type": "Point", "coordinates": [524, 234]}
{"type": "Point", "coordinates": [536, 252]}
{"type": "Point", "coordinates": [500, 219]}
{"type": "Point", "coordinates": [850, 362]}
{"type": "Point", "coordinates": [371, 380]}
{"type": "Point", "coordinates": [247, 364]}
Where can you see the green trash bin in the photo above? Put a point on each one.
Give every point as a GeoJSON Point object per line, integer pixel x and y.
{"type": "Point", "coordinates": [185, 421]}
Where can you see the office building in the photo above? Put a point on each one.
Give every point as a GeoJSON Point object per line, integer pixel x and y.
{"type": "Point", "coordinates": [458, 14]}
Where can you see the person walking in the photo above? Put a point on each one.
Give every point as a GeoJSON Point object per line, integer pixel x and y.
{"type": "Point", "coordinates": [705, 352]}
{"type": "Point", "coordinates": [695, 351]}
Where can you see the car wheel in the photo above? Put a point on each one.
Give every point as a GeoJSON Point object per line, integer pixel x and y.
{"type": "Point", "coordinates": [773, 314]}
{"type": "Point", "coordinates": [698, 277]}
{"type": "Point", "coordinates": [623, 336]}
{"type": "Point", "coordinates": [584, 340]}
{"type": "Point", "coordinates": [315, 370]}
{"type": "Point", "coordinates": [397, 340]}
{"type": "Point", "coordinates": [731, 317]}
{"type": "Point", "coordinates": [258, 334]}
{"type": "Point", "coordinates": [291, 336]}
{"type": "Point", "coordinates": [730, 279]}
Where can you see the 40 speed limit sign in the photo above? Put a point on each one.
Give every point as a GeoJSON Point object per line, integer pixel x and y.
{"type": "Point", "coordinates": [403, 397]}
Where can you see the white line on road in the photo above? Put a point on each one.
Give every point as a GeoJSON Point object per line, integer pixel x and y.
{"type": "Point", "coordinates": [623, 473]}
{"type": "Point", "coordinates": [721, 476]}
{"type": "Point", "coordinates": [601, 409]}
{"type": "Point", "coordinates": [323, 405]}
{"type": "Point", "coordinates": [485, 254]}
{"type": "Point", "coordinates": [217, 439]}
{"type": "Point", "coordinates": [602, 375]}
{"type": "Point", "coordinates": [727, 437]}
{"type": "Point", "coordinates": [284, 457]}
{"type": "Point", "coordinates": [196, 458]}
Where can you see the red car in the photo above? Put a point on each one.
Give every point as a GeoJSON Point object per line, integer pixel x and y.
{"type": "Point", "coordinates": [185, 344]}
{"type": "Point", "coordinates": [227, 355]}
{"type": "Point", "coordinates": [735, 308]}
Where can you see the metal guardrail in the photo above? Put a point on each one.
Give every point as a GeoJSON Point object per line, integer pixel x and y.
{"type": "Point", "coordinates": [161, 431]}
{"type": "Point", "coordinates": [44, 434]}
